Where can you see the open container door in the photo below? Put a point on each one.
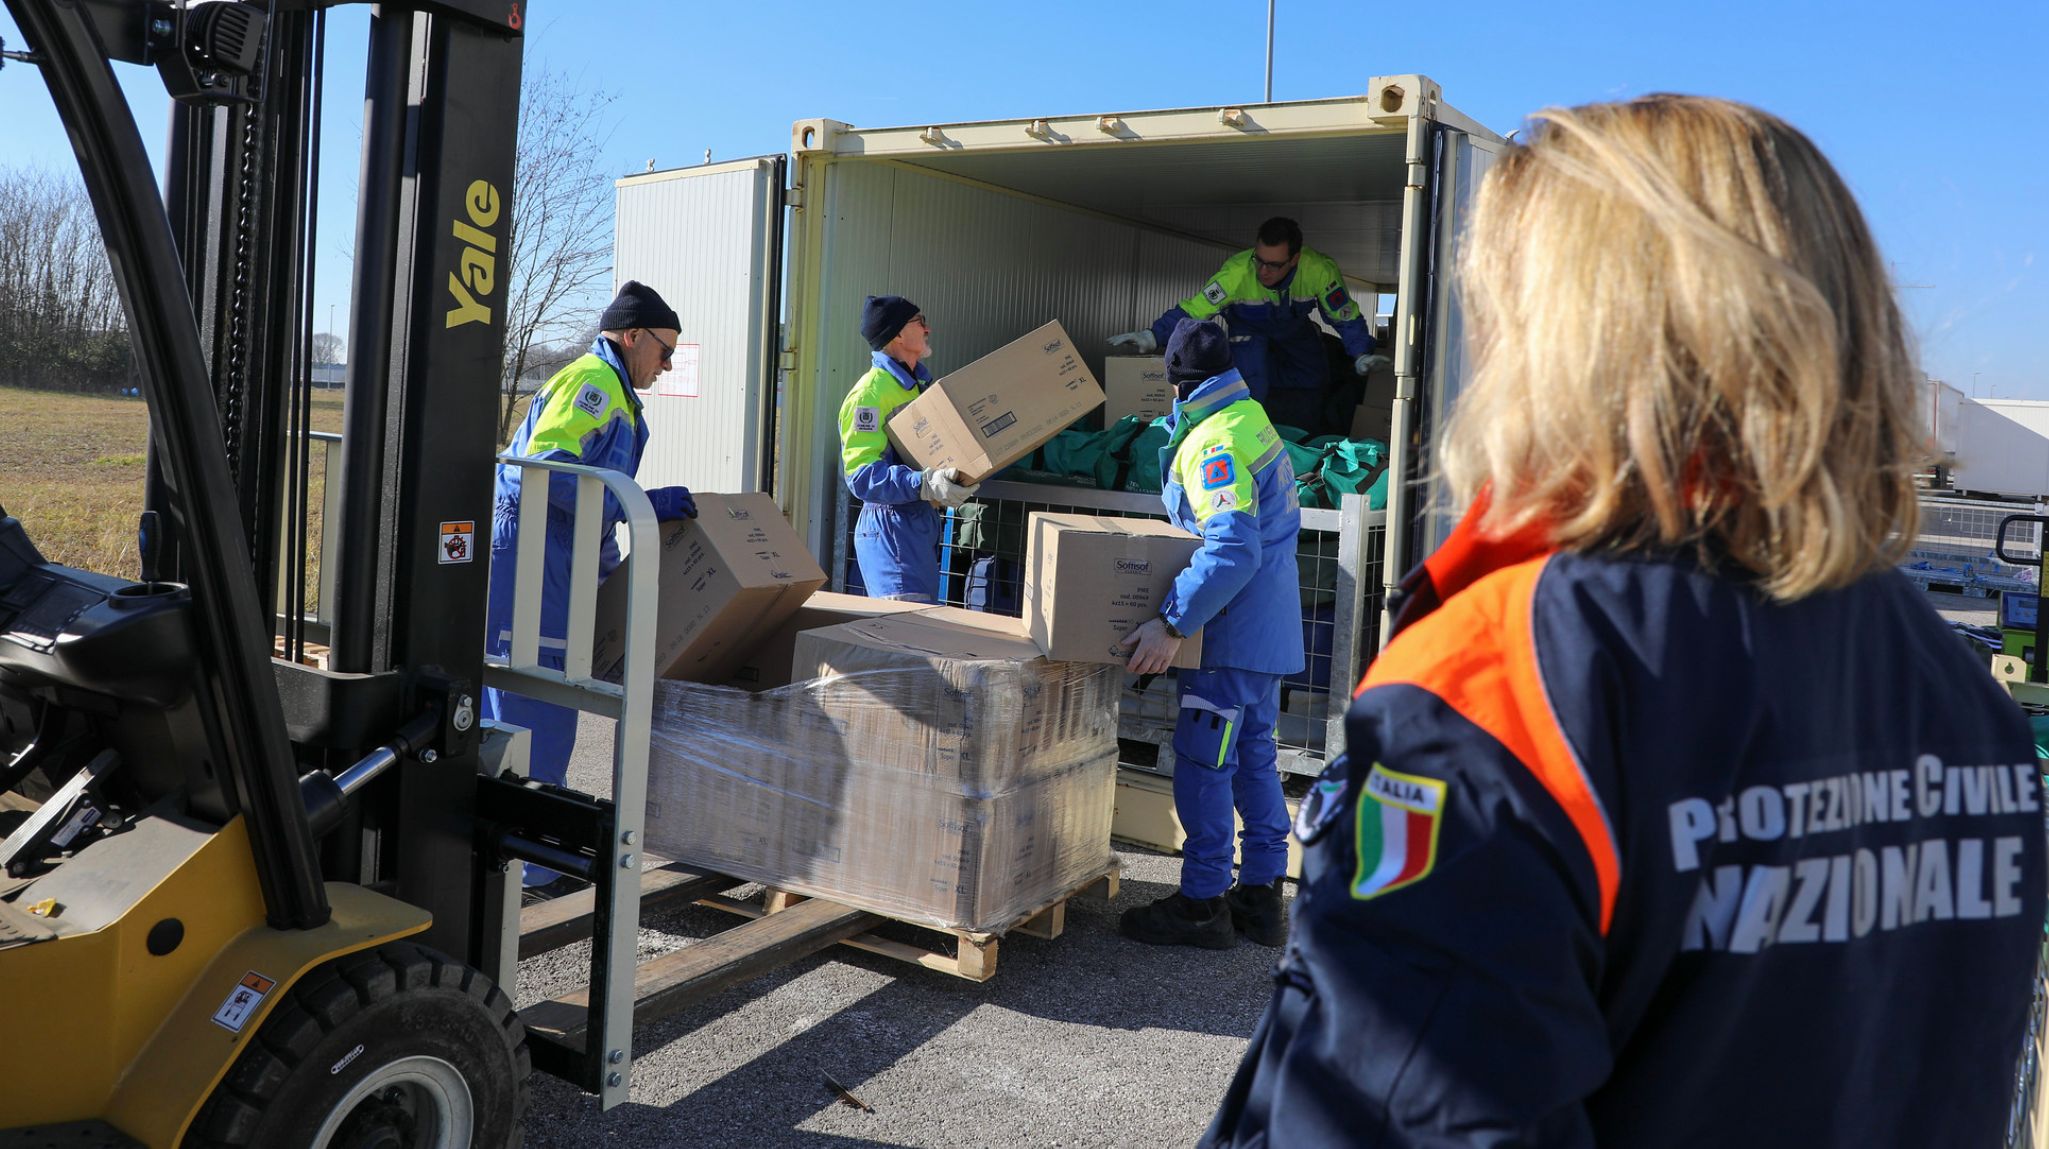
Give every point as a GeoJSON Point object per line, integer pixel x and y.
{"type": "Point", "coordinates": [1463, 160]}
{"type": "Point", "coordinates": [710, 240]}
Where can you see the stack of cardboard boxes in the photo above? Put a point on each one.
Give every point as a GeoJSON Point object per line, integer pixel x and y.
{"type": "Point", "coordinates": [935, 765]}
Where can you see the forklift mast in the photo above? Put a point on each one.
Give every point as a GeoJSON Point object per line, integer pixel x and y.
{"type": "Point", "coordinates": [217, 276]}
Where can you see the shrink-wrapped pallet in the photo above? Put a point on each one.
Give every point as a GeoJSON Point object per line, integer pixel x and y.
{"type": "Point", "coordinates": [932, 766]}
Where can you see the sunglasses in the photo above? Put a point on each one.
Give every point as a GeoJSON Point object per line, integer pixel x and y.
{"type": "Point", "coordinates": [668, 352]}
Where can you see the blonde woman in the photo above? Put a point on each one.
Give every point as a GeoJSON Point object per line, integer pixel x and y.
{"type": "Point", "coordinates": [1672, 815]}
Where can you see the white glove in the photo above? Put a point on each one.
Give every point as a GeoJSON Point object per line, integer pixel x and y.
{"type": "Point", "coordinates": [1139, 341]}
{"type": "Point", "coordinates": [1368, 362]}
{"type": "Point", "coordinates": [942, 485]}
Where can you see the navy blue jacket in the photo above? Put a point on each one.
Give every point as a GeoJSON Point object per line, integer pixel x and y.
{"type": "Point", "coordinates": [1623, 853]}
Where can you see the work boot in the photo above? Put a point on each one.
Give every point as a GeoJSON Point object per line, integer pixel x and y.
{"type": "Point", "coordinates": [1258, 913]}
{"type": "Point", "coordinates": [1179, 920]}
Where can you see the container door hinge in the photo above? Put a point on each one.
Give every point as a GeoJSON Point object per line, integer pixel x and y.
{"type": "Point", "coordinates": [793, 196]}
{"type": "Point", "coordinates": [787, 361]}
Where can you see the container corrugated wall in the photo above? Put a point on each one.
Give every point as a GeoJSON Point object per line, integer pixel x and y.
{"type": "Point", "coordinates": [700, 236]}
{"type": "Point", "coordinates": [986, 266]}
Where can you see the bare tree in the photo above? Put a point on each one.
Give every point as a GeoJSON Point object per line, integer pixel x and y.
{"type": "Point", "coordinates": [61, 323]}
{"type": "Point", "coordinates": [561, 223]}
{"type": "Point", "coordinates": [327, 348]}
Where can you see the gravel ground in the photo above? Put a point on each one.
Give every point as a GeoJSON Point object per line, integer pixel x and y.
{"type": "Point", "coordinates": [1084, 1040]}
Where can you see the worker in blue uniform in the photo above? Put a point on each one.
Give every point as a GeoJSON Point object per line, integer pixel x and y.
{"type": "Point", "coordinates": [1225, 477]}
{"type": "Point", "coordinates": [1267, 294]}
{"type": "Point", "coordinates": [589, 413]}
{"type": "Point", "coordinates": [896, 535]}
{"type": "Point", "coordinates": [1672, 814]}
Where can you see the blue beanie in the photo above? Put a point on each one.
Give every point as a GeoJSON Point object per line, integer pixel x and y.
{"type": "Point", "coordinates": [883, 316]}
{"type": "Point", "coordinates": [638, 305]}
{"type": "Point", "coordinates": [1197, 350]}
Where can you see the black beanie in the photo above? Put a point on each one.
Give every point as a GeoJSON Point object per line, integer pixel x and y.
{"type": "Point", "coordinates": [638, 305]}
{"type": "Point", "coordinates": [883, 316]}
{"type": "Point", "coordinates": [1197, 350]}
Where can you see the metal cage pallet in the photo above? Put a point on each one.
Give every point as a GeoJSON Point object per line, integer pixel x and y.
{"type": "Point", "coordinates": [982, 556]}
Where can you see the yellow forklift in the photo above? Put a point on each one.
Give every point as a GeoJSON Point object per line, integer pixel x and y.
{"type": "Point", "coordinates": [246, 900]}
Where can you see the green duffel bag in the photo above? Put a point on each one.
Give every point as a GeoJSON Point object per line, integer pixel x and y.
{"type": "Point", "coordinates": [1356, 467]}
{"type": "Point", "coordinates": [1142, 455]}
{"type": "Point", "coordinates": [1090, 458]}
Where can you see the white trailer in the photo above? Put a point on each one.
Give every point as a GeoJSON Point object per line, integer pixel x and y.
{"type": "Point", "coordinates": [2002, 448]}
{"type": "Point", "coordinates": [1101, 221]}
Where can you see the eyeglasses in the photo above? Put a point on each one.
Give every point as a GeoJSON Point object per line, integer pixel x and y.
{"type": "Point", "coordinates": [1272, 265]}
{"type": "Point", "coordinates": [668, 352]}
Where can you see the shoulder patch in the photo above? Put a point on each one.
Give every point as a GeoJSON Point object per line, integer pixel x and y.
{"type": "Point", "coordinates": [1224, 500]}
{"type": "Point", "coordinates": [1215, 293]}
{"type": "Point", "coordinates": [1325, 800]}
{"type": "Point", "coordinates": [591, 399]}
{"type": "Point", "coordinates": [1398, 819]}
{"type": "Point", "coordinates": [1218, 471]}
{"type": "Point", "coordinates": [867, 419]}
{"type": "Point", "coordinates": [1335, 299]}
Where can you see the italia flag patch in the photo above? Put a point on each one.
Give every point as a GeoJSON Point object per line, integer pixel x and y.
{"type": "Point", "coordinates": [1398, 819]}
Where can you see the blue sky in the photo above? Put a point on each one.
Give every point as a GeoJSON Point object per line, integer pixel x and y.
{"type": "Point", "coordinates": [1931, 112]}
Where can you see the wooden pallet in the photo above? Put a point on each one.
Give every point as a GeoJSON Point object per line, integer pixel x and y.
{"type": "Point", "coordinates": [969, 954]}
{"type": "Point", "coordinates": [316, 653]}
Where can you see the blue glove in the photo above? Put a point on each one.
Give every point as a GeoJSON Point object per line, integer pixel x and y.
{"type": "Point", "coordinates": [672, 503]}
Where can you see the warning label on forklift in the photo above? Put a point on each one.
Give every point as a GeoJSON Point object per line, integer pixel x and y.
{"type": "Point", "coordinates": [458, 542]}
{"type": "Point", "coordinates": [243, 1001]}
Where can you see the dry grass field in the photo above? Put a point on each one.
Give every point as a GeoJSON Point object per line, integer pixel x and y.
{"type": "Point", "coordinates": [72, 467]}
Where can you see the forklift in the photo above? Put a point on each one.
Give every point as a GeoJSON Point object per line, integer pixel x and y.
{"type": "Point", "coordinates": [2022, 628]}
{"type": "Point", "coordinates": [249, 900]}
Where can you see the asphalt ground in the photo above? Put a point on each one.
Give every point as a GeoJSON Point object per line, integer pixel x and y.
{"type": "Point", "coordinates": [1087, 1039]}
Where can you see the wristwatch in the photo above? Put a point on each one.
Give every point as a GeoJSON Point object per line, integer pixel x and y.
{"type": "Point", "coordinates": [1171, 632]}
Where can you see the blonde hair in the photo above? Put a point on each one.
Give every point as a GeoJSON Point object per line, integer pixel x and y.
{"type": "Point", "coordinates": [1684, 337]}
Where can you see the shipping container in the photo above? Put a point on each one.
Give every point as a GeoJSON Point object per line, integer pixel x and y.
{"type": "Point", "coordinates": [1101, 221]}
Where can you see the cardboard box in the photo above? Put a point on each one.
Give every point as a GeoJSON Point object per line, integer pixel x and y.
{"type": "Point", "coordinates": [939, 770]}
{"type": "Point", "coordinates": [767, 665]}
{"type": "Point", "coordinates": [729, 577]}
{"type": "Point", "coordinates": [1136, 385]}
{"type": "Point", "coordinates": [1374, 416]}
{"type": "Point", "coordinates": [998, 409]}
{"type": "Point", "coordinates": [1090, 580]}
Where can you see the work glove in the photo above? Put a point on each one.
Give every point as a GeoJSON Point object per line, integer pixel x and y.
{"type": "Point", "coordinates": [1152, 648]}
{"type": "Point", "coordinates": [672, 503]}
{"type": "Point", "coordinates": [1139, 341]}
{"type": "Point", "coordinates": [1367, 362]}
{"type": "Point", "coordinates": [942, 485]}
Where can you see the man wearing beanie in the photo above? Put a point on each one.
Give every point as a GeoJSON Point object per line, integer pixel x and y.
{"type": "Point", "coordinates": [589, 413]}
{"type": "Point", "coordinates": [1226, 477]}
{"type": "Point", "coordinates": [1267, 293]}
{"type": "Point", "coordinates": [896, 538]}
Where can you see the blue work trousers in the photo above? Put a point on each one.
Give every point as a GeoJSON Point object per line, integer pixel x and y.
{"type": "Point", "coordinates": [897, 547]}
{"type": "Point", "coordinates": [553, 727]}
{"type": "Point", "coordinates": [1294, 361]}
{"type": "Point", "coordinates": [1225, 760]}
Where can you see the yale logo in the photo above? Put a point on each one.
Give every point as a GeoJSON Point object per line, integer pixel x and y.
{"type": "Point", "coordinates": [477, 271]}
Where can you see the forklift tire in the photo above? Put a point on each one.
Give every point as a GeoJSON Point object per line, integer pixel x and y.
{"type": "Point", "coordinates": [397, 1046]}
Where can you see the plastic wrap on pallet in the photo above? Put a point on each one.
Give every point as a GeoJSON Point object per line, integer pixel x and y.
{"type": "Point", "coordinates": [960, 797]}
